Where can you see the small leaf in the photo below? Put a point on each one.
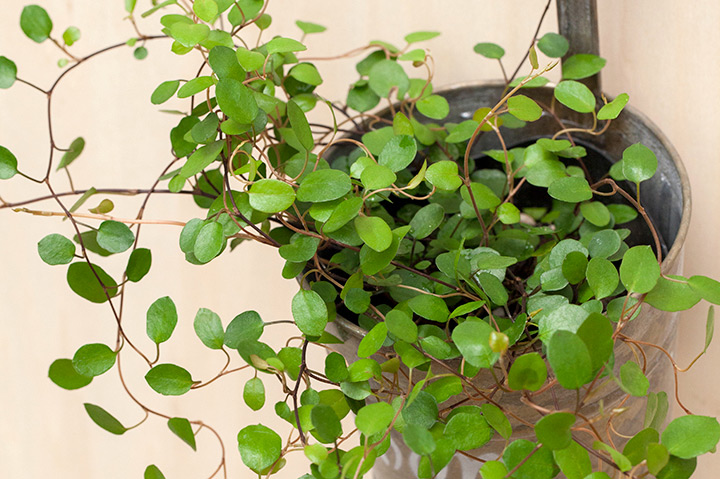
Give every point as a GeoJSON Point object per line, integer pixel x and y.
{"type": "Point", "coordinates": [247, 326]}
{"type": "Point", "coordinates": [672, 293]}
{"type": "Point", "coordinates": [327, 424]}
{"type": "Point", "coordinates": [104, 419]}
{"type": "Point", "coordinates": [55, 249]}
{"type": "Point", "coordinates": [374, 418]}
{"type": "Point", "coordinates": [444, 175]}
{"type": "Point", "coordinates": [189, 34]}
{"type": "Point", "coordinates": [309, 27]}
{"type": "Point", "coordinates": [571, 189]}
{"type": "Point", "coordinates": [418, 439]}
{"type": "Point", "coordinates": [596, 213]}
{"type": "Point", "coordinates": [63, 374]}
{"type": "Point", "coordinates": [553, 430]}
{"type": "Point", "coordinates": [254, 394]}
{"type": "Point", "coordinates": [524, 108]}
{"type": "Point", "coordinates": [398, 153]}
{"type": "Point", "coordinates": [271, 196]}
{"type": "Point", "coordinates": [429, 307]}
{"type": "Point", "coordinates": [420, 36]}
{"type": "Point", "coordinates": [83, 280]}
{"type": "Point", "coordinates": [497, 419]}
{"type": "Point", "coordinates": [570, 359]}
{"type": "Point", "coordinates": [209, 329]}
{"type": "Point", "coordinates": [139, 264]}
{"type": "Point", "coordinates": [472, 338]}
{"type": "Point", "coordinates": [300, 125]}
{"type": "Point", "coordinates": [209, 242]}
{"type": "Point", "coordinates": [386, 75]}
{"type": "Point", "coordinates": [374, 232]}
{"type": "Point", "coordinates": [236, 100]}
{"type": "Point", "coordinates": [161, 320]}
{"type": "Point", "coordinates": [527, 372]}
{"type": "Point", "coordinates": [284, 45]}
{"type": "Point", "coordinates": [622, 462]}
{"type": "Point", "coordinates": [114, 236]}
{"type": "Point", "coordinates": [426, 220]}
{"type": "Point", "coordinates": [181, 428]}
{"type": "Point", "coordinates": [169, 380]}
{"type": "Point", "coordinates": [309, 312]}
{"type": "Point", "coordinates": [375, 177]}
{"type": "Point", "coordinates": [76, 148]}
{"type": "Point", "coordinates": [489, 50]}
{"type": "Point", "coordinates": [93, 359]}
{"type": "Point", "coordinates": [613, 109]}
{"type": "Point", "coordinates": [164, 92]}
{"type": "Point", "coordinates": [632, 379]}
{"type": "Point", "coordinates": [706, 287]}
{"type": "Point", "coordinates": [468, 429]}
{"type": "Point", "coordinates": [324, 185]}
{"type": "Point", "coordinates": [343, 214]}
{"type": "Point", "coordinates": [574, 461]}
{"type": "Point", "coordinates": [709, 327]}
{"type": "Point", "coordinates": [8, 72]}
{"type": "Point", "coordinates": [691, 436]}
{"type": "Point", "coordinates": [575, 96]}
{"type": "Point", "coordinates": [373, 340]}
{"type": "Point", "coordinates": [306, 73]}
{"type": "Point", "coordinates": [206, 10]}
{"type": "Point", "coordinates": [71, 35]}
{"type": "Point", "coordinates": [554, 46]}
{"type": "Point", "coordinates": [36, 23]}
{"type": "Point", "coordinates": [105, 207]}
{"type": "Point", "coordinates": [152, 471]}
{"type": "Point", "coordinates": [433, 106]}
{"type": "Point", "coordinates": [260, 447]}
{"type": "Point", "coordinates": [639, 163]}
{"type": "Point", "coordinates": [639, 270]}
{"type": "Point", "coordinates": [582, 65]}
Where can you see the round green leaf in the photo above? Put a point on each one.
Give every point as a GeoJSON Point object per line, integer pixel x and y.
{"type": "Point", "coordinates": [164, 92]}
{"type": "Point", "coordinates": [573, 461]}
{"type": "Point", "coordinates": [484, 198]}
{"type": "Point", "coordinates": [596, 213]}
{"type": "Point", "coordinates": [433, 106]}
{"type": "Point", "coordinates": [613, 109]}
{"type": "Point", "coordinates": [691, 436]}
{"type": "Point", "coordinates": [538, 466]}
{"type": "Point", "coordinates": [493, 470]}
{"type": "Point", "coordinates": [8, 72]}
{"type": "Point", "coordinates": [161, 318]}
{"type": "Point", "coordinates": [636, 449]}
{"type": "Point", "coordinates": [419, 439]}
{"type": "Point", "coordinates": [63, 374]}
{"type": "Point", "coordinates": [140, 53]}
{"type": "Point", "coordinates": [373, 340]}
{"type": "Point", "coordinates": [386, 75]}
{"type": "Point", "coordinates": [575, 96]}
{"type": "Point", "coordinates": [309, 27]}
{"type": "Point", "coordinates": [236, 100]}
{"type": "Point", "coordinates": [8, 164]}
{"type": "Point", "coordinates": [71, 35]}
{"type": "Point", "coordinates": [706, 287]}
{"type": "Point", "coordinates": [139, 264]}
{"type": "Point", "coordinates": [582, 65]}
{"type": "Point", "coordinates": [374, 232]}
{"type": "Point", "coordinates": [271, 196]}
{"type": "Point", "coordinates": [602, 277]}
{"type": "Point", "coordinates": [104, 419]}
{"type": "Point", "coordinates": [306, 73]}
{"type": "Point", "coordinates": [444, 175]}
{"type": "Point", "coordinates": [554, 46]}
{"type": "Point", "coordinates": [527, 372]}
{"type": "Point", "coordinates": [574, 266]}
{"type": "Point", "coordinates": [489, 50]}
{"type": "Point", "coordinates": [324, 185]}
{"type": "Point", "coordinates": [497, 419]}
{"type": "Point", "coordinates": [343, 214]}
{"type": "Point", "coordinates": [284, 45]}
{"type": "Point", "coordinates": [169, 380]}
{"type": "Point", "coordinates": [56, 249]}
{"type": "Point", "coordinates": [426, 220]}
{"type": "Point", "coordinates": [672, 294]}
{"type": "Point", "coordinates": [571, 189]}
{"type": "Point", "coordinates": [326, 422]}
{"type": "Point", "coordinates": [508, 213]}
{"type": "Point", "coordinates": [75, 150]}
{"type": "Point", "coordinates": [604, 244]}
{"type": "Point", "coordinates": [524, 108]}
{"type": "Point", "coordinates": [374, 418]}
{"type": "Point", "coordinates": [83, 281]}
{"type": "Point", "coordinates": [553, 430]}
{"type": "Point", "coordinates": [36, 23]}
{"type": "Point", "coordinates": [209, 242]}
{"type": "Point", "coordinates": [398, 152]}
{"type": "Point", "coordinates": [209, 329]}
{"type": "Point", "coordinates": [468, 430]}
{"type": "Point", "coordinates": [93, 359]}
{"type": "Point", "coordinates": [429, 307]}
{"type": "Point", "coordinates": [114, 236]}
{"type": "Point", "coordinates": [472, 338]}
{"type": "Point", "coordinates": [570, 359]}
{"type": "Point", "coordinates": [376, 176]}
{"type": "Point", "coordinates": [401, 325]}
{"type": "Point", "coordinates": [596, 332]}
{"type": "Point", "coordinates": [310, 312]}
{"type": "Point", "coordinates": [639, 270]}
{"type": "Point", "coordinates": [206, 10]}
{"type": "Point", "coordinates": [259, 446]}
{"type": "Point", "coordinates": [189, 34]}
{"type": "Point", "coordinates": [247, 326]}
{"type": "Point", "coordinates": [254, 394]}
{"type": "Point", "coordinates": [300, 125]}
{"type": "Point", "coordinates": [639, 163]}
{"type": "Point", "coordinates": [301, 248]}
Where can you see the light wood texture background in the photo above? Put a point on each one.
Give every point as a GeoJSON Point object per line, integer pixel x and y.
{"type": "Point", "coordinates": [662, 52]}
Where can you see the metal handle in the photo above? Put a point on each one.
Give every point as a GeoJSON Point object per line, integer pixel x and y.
{"type": "Point", "coordinates": [578, 22]}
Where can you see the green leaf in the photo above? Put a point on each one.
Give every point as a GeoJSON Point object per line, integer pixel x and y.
{"type": "Point", "coordinates": [182, 428]}
{"type": "Point", "coordinates": [71, 35]}
{"type": "Point", "coordinates": [164, 92]}
{"type": "Point", "coordinates": [271, 196]}
{"type": "Point", "coordinates": [76, 148]}
{"type": "Point", "coordinates": [374, 418]}
{"type": "Point", "coordinates": [8, 164]}
{"type": "Point", "coordinates": [335, 368]}
{"type": "Point", "coordinates": [376, 176]}
{"type": "Point", "coordinates": [104, 419]}
{"type": "Point", "coordinates": [201, 159]}
{"type": "Point", "coordinates": [169, 380]}
{"type": "Point", "coordinates": [158, 7]}
{"type": "Point", "coordinates": [433, 106]}
{"type": "Point", "coordinates": [493, 470]}
{"type": "Point", "coordinates": [55, 249]}
{"type": "Point", "coordinates": [162, 318]}
{"type": "Point", "coordinates": [632, 380]}
{"type": "Point", "coordinates": [247, 326]}
{"type": "Point", "coordinates": [249, 60]}
{"type": "Point", "coordinates": [706, 287]}
{"type": "Point", "coordinates": [206, 10]}
{"type": "Point", "coordinates": [639, 163]}
{"type": "Point", "coordinates": [152, 471]}
{"type": "Point", "coordinates": [468, 429]}
{"type": "Point", "coordinates": [672, 294]}
{"type": "Point", "coordinates": [189, 34]}
{"type": "Point", "coordinates": [596, 213]}
{"type": "Point", "coordinates": [677, 468]}
{"type": "Point", "coordinates": [306, 73]}
{"type": "Point", "coordinates": [527, 372]}
{"type": "Point", "coordinates": [419, 439]}
{"type": "Point", "coordinates": [284, 45]}
{"type": "Point", "coordinates": [613, 109]}
{"type": "Point", "coordinates": [309, 27]}
{"type": "Point", "coordinates": [602, 277]}
{"type": "Point", "coordinates": [472, 339]}
{"type": "Point", "coordinates": [8, 72]}
{"type": "Point", "coordinates": [582, 65]}
{"type": "Point", "coordinates": [260, 447]}
{"type": "Point", "coordinates": [209, 329]}
{"type": "Point", "coordinates": [130, 8]}
{"type": "Point", "coordinates": [36, 23]}
{"type": "Point", "coordinates": [596, 332]}
{"type": "Point", "coordinates": [571, 189]}
{"type": "Point", "coordinates": [623, 463]}
{"type": "Point", "coordinates": [326, 422]}
{"type": "Point", "coordinates": [429, 307]}
{"type": "Point", "coordinates": [114, 236]}
{"type": "Point", "coordinates": [604, 244]}
{"type": "Point", "coordinates": [93, 359]}
{"type": "Point", "coordinates": [236, 100]}
{"type": "Point", "coordinates": [496, 418]}
{"type": "Point", "coordinates": [301, 248]}
{"type": "Point", "coordinates": [63, 374]}
{"type": "Point", "coordinates": [309, 312]}
{"type": "Point", "coordinates": [254, 394]}
{"type": "Point", "coordinates": [639, 270]}
{"type": "Point", "coordinates": [573, 461]}
{"type": "Point", "coordinates": [508, 213]}
{"type": "Point", "coordinates": [374, 232]}
{"type": "Point", "coordinates": [575, 96]}
{"type": "Point", "coordinates": [553, 430]}
{"type": "Point", "coordinates": [489, 50]}
{"type": "Point", "coordinates": [574, 267]}
{"type": "Point", "coordinates": [518, 457]}
{"type": "Point", "coordinates": [444, 175]}
{"type": "Point", "coordinates": [484, 198]}
{"type": "Point", "coordinates": [524, 108]}
{"type": "Point", "coordinates": [570, 359]}
{"type": "Point", "coordinates": [300, 126]}
{"type": "Point", "coordinates": [398, 152]}
{"type": "Point", "coordinates": [554, 46]}
{"type": "Point", "coordinates": [386, 75]}
{"type": "Point", "coordinates": [401, 325]}
{"type": "Point", "coordinates": [657, 458]}
{"type": "Point", "coordinates": [209, 242]}
{"type": "Point", "coordinates": [464, 131]}
{"type": "Point", "coordinates": [324, 185]}
{"type": "Point", "coordinates": [139, 264]}
{"type": "Point", "coordinates": [343, 214]}
{"type": "Point", "coordinates": [373, 340]}
{"type": "Point", "coordinates": [426, 220]}
{"type": "Point", "coordinates": [636, 448]}
{"type": "Point", "coordinates": [690, 436]}
{"type": "Point", "coordinates": [82, 279]}
{"type": "Point", "coordinates": [420, 36]}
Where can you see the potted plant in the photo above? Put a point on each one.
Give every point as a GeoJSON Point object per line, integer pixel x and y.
{"type": "Point", "coordinates": [493, 262]}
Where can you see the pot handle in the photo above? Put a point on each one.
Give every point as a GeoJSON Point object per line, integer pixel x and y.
{"type": "Point", "coordinates": [578, 22]}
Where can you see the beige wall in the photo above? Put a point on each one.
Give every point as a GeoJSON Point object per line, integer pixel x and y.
{"type": "Point", "coordinates": [662, 52]}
